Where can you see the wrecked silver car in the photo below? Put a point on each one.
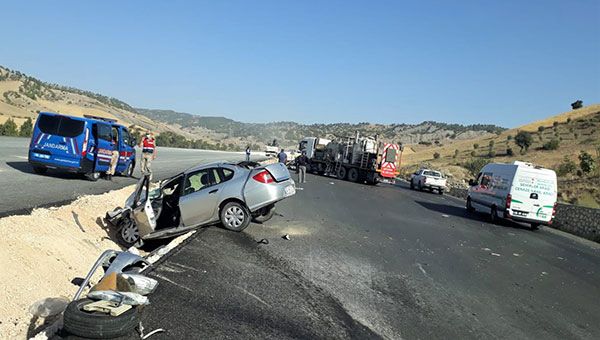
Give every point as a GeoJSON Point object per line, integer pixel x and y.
{"type": "Point", "coordinates": [230, 193]}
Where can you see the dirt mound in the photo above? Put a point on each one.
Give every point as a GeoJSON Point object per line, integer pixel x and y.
{"type": "Point", "coordinates": [42, 252]}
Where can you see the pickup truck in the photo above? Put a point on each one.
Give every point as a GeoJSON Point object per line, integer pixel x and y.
{"type": "Point", "coordinates": [428, 179]}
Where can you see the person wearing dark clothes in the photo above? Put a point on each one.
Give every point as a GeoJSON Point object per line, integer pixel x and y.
{"type": "Point", "coordinates": [282, 156]}
{"type": "Point", "coordinates": [248, 153]}
{"type": "Point", "coordinates": [301, 163]}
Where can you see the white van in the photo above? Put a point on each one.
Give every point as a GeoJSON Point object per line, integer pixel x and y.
{"type": "Point", "coordinates": [519, 191]}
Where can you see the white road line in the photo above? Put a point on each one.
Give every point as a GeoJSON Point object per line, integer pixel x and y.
{"type": "Point", "coordinates": [254, 296]}
{"type": "Point", "coordinates": [171, 281]}
{"type": "Point", "coordinates": [22, 157]}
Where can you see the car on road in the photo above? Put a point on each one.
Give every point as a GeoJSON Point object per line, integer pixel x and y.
{"type": "Point", "coordinates": [80, 144]}
{"type": "Point", "coordinates": [520, 191]}
{"type": "Point", "coordinates": [428, 179]}
{"type": "Point", "coordinates": [230, 193]}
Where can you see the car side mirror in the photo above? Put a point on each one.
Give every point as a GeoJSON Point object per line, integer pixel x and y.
{"type": "Point", "coordinates": [133, 142]}
{"type": "Point", "coordinates": [471, 182]}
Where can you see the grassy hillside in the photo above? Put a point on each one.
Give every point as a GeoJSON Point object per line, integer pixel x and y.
{"type": "Point", "coordinates": [554, 140]}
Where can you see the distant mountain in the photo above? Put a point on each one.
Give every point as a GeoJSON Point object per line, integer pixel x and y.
{"type": "Point", "coordinates": [289, 133]}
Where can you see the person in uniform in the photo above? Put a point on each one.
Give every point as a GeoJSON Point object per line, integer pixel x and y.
{"type": "Point", "coordinates": [148, 146]}
{"type": "Point", "coordinates": [114, 159]}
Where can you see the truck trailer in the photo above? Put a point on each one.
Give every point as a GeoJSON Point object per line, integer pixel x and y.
{"type": "Point", "coordinates": [356, 159]}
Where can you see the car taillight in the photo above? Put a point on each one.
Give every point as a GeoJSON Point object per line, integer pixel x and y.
{"type": "Point", "coordinates": [425, 180]}
{"type": "Point", "coordinates": [554, 210]}
{"type": "Point", "coordinates": [263, 177]}
{"type": "Point", "coordinates": [508, 201]}
{"type": "Point", "coordinates": [85, 142]}
{"type": "Point", "coordinates": [446, 183]}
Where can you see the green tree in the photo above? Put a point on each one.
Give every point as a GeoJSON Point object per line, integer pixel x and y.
{"type": "Point", "coordinates": [10, 128]}
{"type": "Point", "coordinates": [475, 146]}
{"type": "Point", "coordinates": [491, 144]}
{"type": "Point", "coordinates": [586, 162]}
{"type": "Point", "coordinates": [566, 167]}
{"type": "Point", "coordinates": [555, 124]}
{"type": "Point", "coordinates": [509, 152]}
{"type": "Point", "coordinates": [492, 154]}
{"type": "Point", "coordinates": [552, 144]}
{"type": "Point", "coordinates": [523, 140]}
{"type": "Point", "coordinates": [509, 137]}
{"type": "Point", "coordinates": [473, 153]}
{"type": "Point", "coordinates": [26, 129]}
{"type": "Point", "coordinates": [541, 129]}
{"type": "Point", "coordinates": [455, 153]}
{"type": "Point", "coordinates": [436, 155]}
{"type": "Point", "coordinates": [474, 165]}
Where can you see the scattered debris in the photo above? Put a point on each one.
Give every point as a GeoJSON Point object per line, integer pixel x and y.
{"type": "Point", "coordinates": [511, 234]}
{"type": "Point", "coordinates": [76, 217]}
{"type": "Point", "coordinates": [444, 215]}
{"type": "Point", "coordinates": [263, 241]}
{"type": "Point", "coordinates": [544, 273]}
{"type": "Point", "coordinates": [140, 330]}
{"type": "Point", "coordinates": [494, 254]}
{"type": "Point", "coordinates": [560, 258]}
{"type": "Point", "coordinates": [515, 254]}
{"type": "Point", "coordinates": [297, 188]}
{"type": "Point", "coordinates": [486, 249]}
{"type": "Point", "coordinates": [331, 183]}
{"type": "Point", "coordinates": [286, 237]}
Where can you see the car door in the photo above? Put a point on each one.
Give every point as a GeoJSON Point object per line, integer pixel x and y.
{"type": "Point", "coordinates": [102, 132]}
{"type": "Point", "coordinates": [125, 149]}
{"type": "Point", "coordinates": [200, 197]}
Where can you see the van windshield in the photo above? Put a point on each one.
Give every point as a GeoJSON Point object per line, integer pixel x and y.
{"type": "Point", "coordinates": [60, 126]}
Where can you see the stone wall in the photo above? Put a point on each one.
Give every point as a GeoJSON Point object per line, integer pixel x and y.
{"type": "Point", "coordinates": [580, 221]}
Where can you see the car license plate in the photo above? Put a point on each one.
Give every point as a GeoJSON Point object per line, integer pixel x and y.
{"type": "Point", "coordinates": [289, 190]}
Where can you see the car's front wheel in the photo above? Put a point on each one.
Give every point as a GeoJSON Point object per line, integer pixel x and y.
{"type": "Point", "coordinates": [235, 216]}
{"type": "Point", "coordinates": [128, 232]}
{"type": "Point", "coordinates": [412, 186]}
{"type": "Point", "coordinates": [469, 205]}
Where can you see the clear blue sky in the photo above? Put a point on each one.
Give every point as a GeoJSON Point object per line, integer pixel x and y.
{"type": "Point", "coordinates": [500, 62]}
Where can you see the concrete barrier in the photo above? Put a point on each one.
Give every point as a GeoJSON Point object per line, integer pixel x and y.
{"type": "Point", "coordinates": [581, 221]}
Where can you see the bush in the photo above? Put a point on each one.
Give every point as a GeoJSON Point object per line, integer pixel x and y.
{"type": "Point", "coordinates": [555, 124]}
{"type": "Point", "coordinates": [541, 129]}
{"type": "Point", "coordinates": [491, 144]}
{"type": "Point", "coordinates": [26, 129]}
{"type": "Point", "coordinates": [577, 104]}
{"type": "Point", "coordinates": [474, 165]}
{"type": "Point", "coordinates": [509, 152]}
{"type": "Point", "coordinates": [473, 154]}
{"type": "Point", "coordinates": [475, 146]}
{"type": "Point", "coordinates": [523, 140]}
{"type": "Point", "coordinates": [436, 155]}
{"type": "Point", "coordinates": [10, 128]}
{"type": "Point", "coordinates": [586, 162]}
{"type": "Point", "coordinates": [455, 153]}
{"type": "Point", "coordinates": [569, 120]}
{"type": "Point", "coordinates": [566, 167]}
{"type": "Point", "coordinates": [552, 145]}
{"type": "Point", "coordinates": [492, 154]}
{"type": "Point", "coordinates": [509, 137]}
{"type": "Point", "coordinates": [425, 143]}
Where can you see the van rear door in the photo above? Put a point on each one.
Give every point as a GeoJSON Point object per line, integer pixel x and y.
{"type": "Point", "coordinates": [534, 193]}
{"type": "Point", "coordinates": [58, 140]}
{"type": "Point", "coordinates": [102, 132]}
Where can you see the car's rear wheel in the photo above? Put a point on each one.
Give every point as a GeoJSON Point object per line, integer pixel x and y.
{"type": "Point", "coordinates": [412, 186]}
{"type": "Point", "coordinates": [535, 226]}
{"type": "Point", "coordinates": [40, 170]}
{"type": "Point", "coordinates": [341, 173]}
{"type": "Point", "coordinates": [235, 216]}
{"type": "Point", "coordinates": [420, 186]}
{"type": "Point", "coordinates": [441, 191]}
{"type": "Point", "coordinates": [353, 175]}
{"type": "Point", "coordinates": [494, 215]}
{"type": "Point", "coordinates": [265, 215]}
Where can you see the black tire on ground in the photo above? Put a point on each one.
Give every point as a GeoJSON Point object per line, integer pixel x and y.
{"type": "Point", "coordinates": [535, 226]}
{"type": "Point", "coordinates": [494, 215]}
{"type": "Point", "coordinates": [353, 175]}
{"type": "Point", "coordinates": [40, 170]}
{"type": "Point", "coordinates": [93, 175]}
{"type": "Point", "coordinates": [420, 186]}
{"type": "Point", "coordinates": [235, 216]}
{"type": "Point", "coordinates": [267, 214]}
{"type": "Point", "coordinates": [129, 170]}
{"type": "Point", "coordinates": [441, 191]}
{"type": "Point", "coordinates": [430, 189]}
{"type": "Point", "coordinates": [99, 325]}
{"type": "Point", "coordinates": [127, 232]}
{"type": "Point", "coordinates": [342, 173]}
{"type": "Point", "coordinates": [412, 186]}
{"type": "Point", "coordinates": [469, 205]}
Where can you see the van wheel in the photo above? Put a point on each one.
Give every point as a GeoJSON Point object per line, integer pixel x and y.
{"type": "Point", "coordinates": [234, 216]}
{"type": "Point", "coordinates": [353, 175]}
{"type": "Point", "coordinates": [93, 176]}
{"type": "Point", "coordinates": [494, 215]}
{"type": "Point", "coordinates": [469, 205]}
{"type": "Point", "coordinates": [40, 170]}
{"type": "Point", "coordinates": [129, 171]}
{"type": "Point", "coordinates": [535, 226]}
{"type": "Point", "coordinates": [342, 173]}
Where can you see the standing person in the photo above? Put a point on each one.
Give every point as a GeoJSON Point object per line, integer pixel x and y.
{"type": "Point", "coordinates": [248, 153]}
{"type": "Point", "coordinates": [282, 156]}
{"type": "Point", "coordinates": [114, 159]}
{"type": "Point", "coordinates": [148, 146]}
{"type": "Point", "coordinates": [301, 163]}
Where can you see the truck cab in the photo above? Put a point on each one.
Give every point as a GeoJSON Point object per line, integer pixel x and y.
{"type": "Point", "coordinates": [310, 144]}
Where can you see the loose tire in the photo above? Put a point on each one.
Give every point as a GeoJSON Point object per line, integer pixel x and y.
{"type": "Point", "coordinates": [469, 205]}
{"type": "Point", "coordinates": [40, 170]}
{"type": "Point", "coordinates": [235, 216]}
{"type": "Point", "coordinates": [99, 325]}
{"type": "Point", "coordinates": [353, 175]}
{"type": "Point", "coordinates": [341, 173]}
{"type": "Point", "coordinates": [266, 216]}
{"type": "Point", "coordinates": [128, 233]}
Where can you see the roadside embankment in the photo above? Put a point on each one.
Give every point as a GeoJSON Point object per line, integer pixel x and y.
{"type": "Point", "coordinates": [43, 252]}
{"type": "Point", "coordinates": [576, 220]}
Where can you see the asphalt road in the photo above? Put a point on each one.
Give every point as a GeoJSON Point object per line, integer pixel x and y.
{"type": "Point", "coordinates": [367, 262]}
{"type": "Point", "coordinates": [22, 189]}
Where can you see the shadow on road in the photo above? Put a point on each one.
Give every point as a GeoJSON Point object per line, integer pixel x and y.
{"type": "Point", "coordinates": [25, 167]}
